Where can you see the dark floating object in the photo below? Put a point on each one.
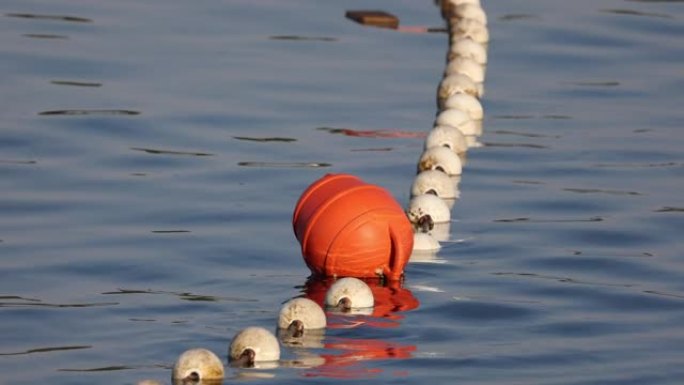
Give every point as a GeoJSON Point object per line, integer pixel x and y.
{"type": "Point", "coordinates": [602, 191]}
{"type": "Point", "coordinates": [74, 19]}
{"type": "Point", "coordinates": [170, 152]}
{"type": "Point", "coordinates": [45, 36]}
{"type": "Point", "coordinates": [266, 139]}
{"type": "Point", "coordinates": [47, 349]}
{"type": "Point", "coordinates": [302, 38]}
{"type": "Point", "coordinates": [12, 161]}
{"type": "Point", "coordinates": [637, 165]}
{"type": "Point", "coordinates": [75, 83]}
{"type": "Point", "coordinates": [608, 83]}
{"type": "Point", "coordinates": [383, 133]}
{"type": "Point", "coordinates": [530, 220]}
{"type": "Point", "coordinates": [170, 231]}
{"type": "Point", "coordinates": [632, 12]}
{"type": "Point", "coordinates": [518, 16]}
{"type": "Point", "coordinates": [375, 18]}
{"type": "Point", "coordinates": [513, 116]}
{"type": "Point", "coordinates": [102, 369]}
{"type": "Point", "coordinates": [285, 164]}
{"type": "Point", "coordinates": [670, 209]}
{"type": "Point", "coordinates": [378, 149]}
{"type": "Point", "coordinates": [524, 145]}
{"type": "Point", "coordinates": [88, 112]}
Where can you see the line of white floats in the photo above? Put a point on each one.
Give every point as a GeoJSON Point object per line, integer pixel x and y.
{"type": "Point", "coordinates": [456, 128]}
{"type": "Point", "coordinates": [301, 323]}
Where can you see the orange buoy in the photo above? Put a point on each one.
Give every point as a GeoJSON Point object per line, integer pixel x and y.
{"type": "Point", "coordinates": [350, 228]}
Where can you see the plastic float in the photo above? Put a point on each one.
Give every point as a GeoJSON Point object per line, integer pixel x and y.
{"type": "Point", "coordinates": [197, 365]}
{"type": "Point", "coordinates": [254, 347]}
{"type": "Point", "coordinates": [349, 228]}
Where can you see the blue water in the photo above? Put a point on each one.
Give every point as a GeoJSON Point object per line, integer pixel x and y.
{"type": "Point", "coordinates": [136, 221]}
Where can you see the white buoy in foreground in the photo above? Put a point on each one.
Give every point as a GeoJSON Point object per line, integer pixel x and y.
{"type": "Point", "coordinates": [350, 295]}
{"type": "Point", "coordinates": [196, 365]}
{"type": "Point", "coordinates": [436, 183]}
{"type": "Point", "coordinates": [442, 159]}
{"type": "Point", "coordinates": [300, 314]}
{"type": "Point", "coordinates": [466, 103]}
{"type": "Point", "coordinates": [254, 347]}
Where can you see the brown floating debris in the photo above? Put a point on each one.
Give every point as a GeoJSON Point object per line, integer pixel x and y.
{"type": "Point", "coordinates": [375, 18]}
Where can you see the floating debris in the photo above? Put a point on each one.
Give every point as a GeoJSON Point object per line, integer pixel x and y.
{"type": "Point", "coordinates": [285, 164]}
{"type": "Point", "coordinates": [170, 231]}
{"type": "Point", "coordinates": [518, 16]}
{"type": "Point", "coordinates": [632, 12]}
{"type": "Point", "coordinates": [382, 133]}
{"type": "Point", "coordinates": [74, 19]}
{"type": "Point", "coordinates": [670, 209]}
{"type": "Point", "coordinates": [375, 18]}
{"type": "Point", "coordinates": [602, 191]}
{"type": "Point", "coordinates": [88, 112]}
{"type": "Point", "coordinates": [265, 139]}
{"type": "Point", "coordinates": [302, 38]}
{"type": "Point", "coordinates": [46, 36]}
{"type": "Point", "coordinates": [608, 83]}
{"type": "Point", "coordinates": [170, 152]}
{"type": "Point", "coordinates": [75, 83]}
{"type": "Point", "coordinates": [13, 161]}
{"type": "Point", "coordinates": [530, 220]}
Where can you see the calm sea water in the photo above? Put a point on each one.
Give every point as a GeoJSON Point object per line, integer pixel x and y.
{"type": "Point", "coordinates": [139, 217]}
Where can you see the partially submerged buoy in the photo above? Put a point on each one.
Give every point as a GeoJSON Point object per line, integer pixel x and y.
{"type": "Point", "coordinates": [349, 228]}
{"type": "Point", "coordinates": [350, 295]}
{"type": "Point", "coordinates": [254, 347]}
{"type": "Point", "coordinates": [197, 365]}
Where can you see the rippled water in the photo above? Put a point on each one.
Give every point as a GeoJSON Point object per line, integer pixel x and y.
{"type": "Point", "coordinates": [151, 154]}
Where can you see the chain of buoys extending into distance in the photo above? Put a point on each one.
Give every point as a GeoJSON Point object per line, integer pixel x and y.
{"type": "Point", "coordinates": [355, 238]}
{"type": "Point", "coordinates": [457, 126]}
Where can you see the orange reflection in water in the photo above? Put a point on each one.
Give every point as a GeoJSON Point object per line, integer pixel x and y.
{"type": "Point", "coordinates": [350, 363]}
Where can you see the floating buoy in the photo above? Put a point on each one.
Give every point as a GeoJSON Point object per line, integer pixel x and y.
{"type": "Point", "coordinates": [469, 28]}
{"type": "Point", "coordinates": [470, 11]}
{"type": "Point", "coordinates": [254, 347]}
{"type": "Point", "coordinates": [440, 159]}
{"type": "Point", "coordinates": [424, 211]}
{"type": "Point", "coordinates": [459, 119]}
{"type": "Point", "coordinates": [349, 228]}
{"type": "Point", "coordinates": [300, 314]}
{"type": "Point", "coordinates": [350, 295]}
{"type": "Point", "coordinates": [468, 67]}
{"type": "Point", "coordinates": [424, 242]}
{"type": "Point", "coordinates": [466, 103]}
{"type": "Point", "coordinates": [196, 365]}
{"type": "Point", "coordinates": [434, 182]}
{"type": "Point", "coordinates": [454, 84]}
{"type": "Point", "coordinates": [447, 136]}
{"type": "Point", "coordinates": [468, 48]}
{"type": "Point", "coordinates": [389, 298]}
